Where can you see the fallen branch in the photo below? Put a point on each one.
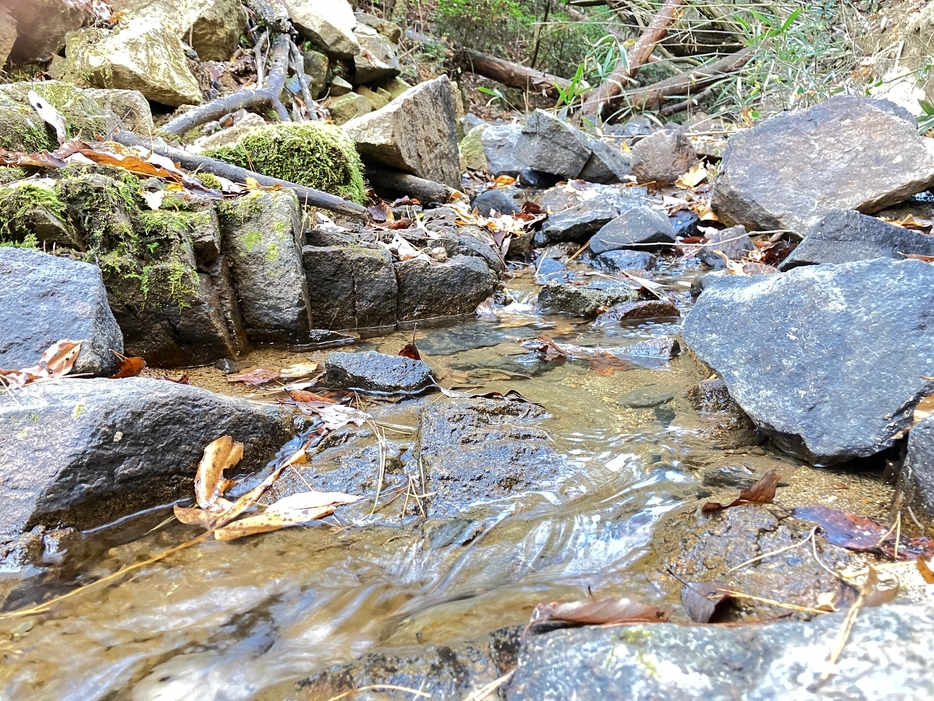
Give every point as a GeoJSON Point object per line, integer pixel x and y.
{"type": "Point", "coordinates": [195, 162]}
{"type": "Point", "coordinates": [600, 99]}
{"type": "Point", "coordinates": [259, 98]}
{"type": "Point", "coordinates": [420, 188]}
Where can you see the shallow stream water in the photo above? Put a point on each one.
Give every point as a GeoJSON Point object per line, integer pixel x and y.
{"type": "Point", "coordinates": [248, 619]}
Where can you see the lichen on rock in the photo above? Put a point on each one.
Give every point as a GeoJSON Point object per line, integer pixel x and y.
{"type": "Point", "coordinates": [316, 155]}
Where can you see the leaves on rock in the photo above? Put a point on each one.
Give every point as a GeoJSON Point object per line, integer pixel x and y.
{"type": "Point", "coordinates": [128, 366]}
{"type": "Point", "coordinates": [294, 510]}
{"type": "Point", "coordinates": [762, 492]}
{"type": "Point", "coordinates": [256, 376]}
{"type": "Point", "coordinates": [606, 611]}
{"type": "Point", "coordinates": [872, 594]}
{"type": "Point", "coordinates": [704, 600]}
{"type": "Point", "coordinates": [863, 534]}
{"type": "Point", "coordinates": [926, 569]}
{"type": "Point", "coordinates": [57, 361]}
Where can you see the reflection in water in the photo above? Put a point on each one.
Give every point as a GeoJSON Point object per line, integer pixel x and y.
{"type": "Point", "coordinates": [228, 620]}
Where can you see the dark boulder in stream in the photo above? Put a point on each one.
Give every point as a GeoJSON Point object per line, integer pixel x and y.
{"type": "Point", "coordinates": [585, 301]}
{"type": "Point", "coordinates": [916, 478]}
{"type": "Point", "coordinates": [370, 371]}
{"type": "Point", "coordinates": [828, 361]}
{"type": "Point", "coordinates": [45, 299]}
{"type": "Point", "coordinates": [886, 657]}
{"type": "Point", "coordinates": [86, 452]}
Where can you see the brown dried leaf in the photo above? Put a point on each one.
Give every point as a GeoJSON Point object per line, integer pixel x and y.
{"type": "Point", "coordinates": [256, 376]}
{"type": "Point", "coordinates": [57, 361]}
{"type": "Point", "coordinates": [606, 364]}
{"type": "Point", "coordinates": [128, 367]}
{"type": "Point", "coordinates": [219, 455]}
{"type": "Point", "coordinates": [762, 492]}
{"type": "Point", "coordinates": [703, 600]}
{"type": "Point", "coordinates": [599, 612]}
{"type": "Point", "coordinates": [410, 350]}
{"type": "Point", "coordinates": [927, 572]}
{"type": "Point", "coordinates": [874, 596]}
{"type": "Point", "coordinates": [291, 511]}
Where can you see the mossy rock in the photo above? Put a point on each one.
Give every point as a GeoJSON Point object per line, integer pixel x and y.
{"type": "Point", "coordinates": [32, 213]}
{"type": "Point", "coordinates": [316, 155]}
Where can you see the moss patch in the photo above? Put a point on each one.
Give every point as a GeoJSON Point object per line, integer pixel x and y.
{"type": "Point", "coordinates": [16, 204]}
{"type": "Point", "coordinates": [316, 155]}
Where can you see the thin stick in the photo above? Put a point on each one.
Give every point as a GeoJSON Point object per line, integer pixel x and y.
{"type": "Point", "coordinates": [774, 552]}
{"type": "Point", "coordinates": [484, 691]}
{"type": "Point", "coordinates": [382, 464]}
{"type": "Point", "coordinates": [792, 607]}
{"type": "Point", "coordinates": [393, 687]}
{"type": "Point", "coordinates": [844, 635]}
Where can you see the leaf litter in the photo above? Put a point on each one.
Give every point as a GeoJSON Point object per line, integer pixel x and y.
{"type": "Point", "coordinates": [57, 361]}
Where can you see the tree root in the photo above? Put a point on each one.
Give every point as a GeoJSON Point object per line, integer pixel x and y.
{"type": "Point", "coordinates": [424, 190]}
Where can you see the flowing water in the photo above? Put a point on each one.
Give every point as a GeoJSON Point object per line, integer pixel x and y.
{"type": "Point", "coordinates": [248, 618]}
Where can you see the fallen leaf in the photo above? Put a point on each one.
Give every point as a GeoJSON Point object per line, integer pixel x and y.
{"type": "Point", "coordinates": [410, 350]}
{"type": "Point", "coordinates": [57, 361]}
{"type": "Point", "coordinates": [923, 409]}
{"type": "Point", "coordinates": [918, 256]}
{"type": "Point", "coordinates": [334, 416]}
{"type": "Point", "coordinates": [863, 534]}
{"type": "Point", "coordinates": [128, 366]}
{"type": "Point", "coordinates": [256, 376]}
{"type": "Point", "coordinates": [301, 395]}
{"type": "Point", "coordinates": [598, 612]}
{"type": "Point", "coordinates": [504, 180]}
{"type": "Point", "coordinates": [219, 455]}
{"type": "Point", "coordinates": [704, 600]}
{"type": "Point", "coordinates": [694, 177]}
{"type": "Point", "coordinates": [252, 183]}
{"type": "Point", "coordinates": [926, 570]}
{"type": "Point", "coordinates": [293, 510]}
{"type": "Point", "coordinates": [183, 380]}
{"type": "Point", "coordinates": [826, 601]}
{"type": "Point", "coordinates": [380, 212]}
{"type": "Point", "coordinates": [873, 595]}
{"type": "Point", "coordinates": [293, 372]}
{"type": "Point", "coordinates": [762, 492]}
{"type": "Point", "coordinates": [606, 365]}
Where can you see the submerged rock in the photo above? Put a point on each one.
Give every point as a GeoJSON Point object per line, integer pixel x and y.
{"type": "Point", "coordinates": [846, 153]}
{"type": "Point", "coordinates": [844, 236]}
{"type": "Point", "coordinates": [886, 652]}
{"type": "Point", "coordinates": [415, 133]}
{"type": "Point", "coordinates": [370, 371]}
{"type": "Point", "coordinates": [646, 309]}
{"type": "Point", "coordinates": [613, 261]}
{"type": "Point", "coordinates": [45, 299]}
{"type": "Point", "coordinates": [86, 452]}
{"type": "Point", "coordinates": [827, 360]}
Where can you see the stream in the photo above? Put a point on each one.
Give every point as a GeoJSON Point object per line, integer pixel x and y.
{"type": "Point", "coordinates": [250, 618]}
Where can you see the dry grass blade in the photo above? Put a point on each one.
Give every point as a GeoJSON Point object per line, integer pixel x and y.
{"type": "Point", "coordinates": [484, 691]}
{"type": "Point", "coordinates": [772, 602]}
{"type": "Point", "coordinates": [774, 552]}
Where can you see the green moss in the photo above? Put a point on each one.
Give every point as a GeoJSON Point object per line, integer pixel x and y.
{"type": "Point", "coordinates": [78, 410]}
{"type": "Point", "coordinates": [272, 253]}
{"type": "Point", "coordinates": [29, 241]}
{"type": "Point", "coordinates": [10, 174]}
{"type": "Point", "coordinates": [209, 180]}
{"type": "Point", "coordinates": [22, 130]}
{"type": "Point", "coordinates": [252, 240]}
{"type": "Point", "coordinates": [313, 154]}
{"type": "Point", "coordinates": [17, 201]}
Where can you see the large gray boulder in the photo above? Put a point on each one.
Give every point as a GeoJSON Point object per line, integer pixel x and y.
{"type": "Point", "coordinates": [846, 153]}
{"type": "Point", "coordinates": [499, 145]}
{"type": "Point", "coordinates": [86, 452]}
{"type": "Point", "coordinates": [885, 658]}
{"type": "Point", "coordinates": [916, 479]}
{"type": "Point", "coordinates": [328, 23]}
{"type": "Point", "coordinates": [416, 133]}
{"type": "Point", "coordinates": [828, 361]}
{"type": "Point", "coordinates": [844, 236]}
{"type": "Point", "coordinates": [582, 220]}
{"type": "Point", "coordinates": [447, 289]}
{"type": "Point", "coordinates": [261, 234]}
{"type": "Point", "coordinates": [377, 58]}
{"type": "Point", "coordinates": [44, 299]}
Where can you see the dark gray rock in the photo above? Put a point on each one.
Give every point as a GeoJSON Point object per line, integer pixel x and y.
{"type": "Point", "coordinates": [827, 360]}
{"type": "Point", "coordinates": [844, 236]}
{"type": "Point", "coordinates": [612, 261]}
{"type": "Point", "coordinates": [44, 299]}
{"type": "Point", "coordinates": [638, 225]}
{"type": "Point", "coordinates": [494, 200]}
{"type": "Point", "coordinates": [916, 479]}
{"type": "Point", "coordinates": [550, 145]}
{"type": "Point", "coordinates": [684, 223]}
{"type": "Point", "coordinates": [663, 157]}
{"type": "Point", "coordinates": [370, 371]}
{"type": "Point", "coordinates": [86, 452]}
{"type": "Point", "coordinates": [529, 177]}
{"type": "Point", "coordinates": [499, 144]}
{"type": "Point", "coordinates": [442, 671]}
{"type": "Point", "coordinates": [480, 449]}
{"type": "Point", "coordinates": [885, 658]}
{"type": "Point", "coordinates": [648, 397]}
{"type": "Point", "coordinates": [584, 301]}
{"type": "Point", "coordinates": [448, 289]}
{"type": "Point", "coordinates": [735, 244]}
{"type": "Point", "coordinates": [607, 164]}
{"type": "Point", "coordinates": [262, 236]}
{"type": "Point", "coordinates": [717, 416]}
{"type": "Point", "coordinates": [581, 221]}
{"type": "Point", "coordinates": [724, 278]}
{"type": "Point", "coordinates": [550, 270]}
{"type": "Point", "coordinates": [350, 286]}
{"type": "Point", "coordinates": [846, 153]}
{"type": "Point", "coordinates": [645, 309]}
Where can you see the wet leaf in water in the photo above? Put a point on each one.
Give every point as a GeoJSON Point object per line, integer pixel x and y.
{"type": "Point", "coordinates": [926, 570]}
{"type": "Point", "coordinates": [606, 364]}
{"type": "Point", "coordinates": [410, 350]}
{"type": "Point", "coordinates": [256, 376]}
{"type": "Point", "coordinates": [704, 600]}
{"type": "Point", "coordinates": [128, 366]}
{"type": "Point", "coordinates": [219, 455]}
{"type": "Point", "coordinates": [293, 510]}
{"type": "Point", "coordinates": [334, 416]}
{"type": "Point", "coordinates": [861, 533]}
{"type": "Point", "coordinates": [762, 492]}
{"type": "Point", "coordinates": [599, 612]}
{"type": "Point", "coordinates": [301, 395]}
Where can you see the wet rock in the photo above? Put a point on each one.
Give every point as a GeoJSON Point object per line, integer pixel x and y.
{"type": "Point", "coordinates": [613, 261]}
{"type": "Point", "coordinates": [86, 452]}
{"type": "Point", "coordinates": [732, 242]}
{"type": "Point", "coordinates": [684, 223]}
{"type": "Point", "coordinates": [442, 671]}
{"type": "Point", "coordinates": [583, 219]}
{"type": "Point", "coordinates": [377, 58]}
{"type": "Point", "coordinates": [139, 54]}
{"type": "Point", "coordinates": [550, 145]}
{"type": "Point", "coordinates": [733, 475]}
{"type": "Point", "coordinates": [824, 160]}
{"type": "Point", "coordinates": [886, 651]}
{"type": "Point", "coordinates": [663, 157]}
{"type": "Point", "coordinates": [447, 289]}
{"type": "Point", "coordinates": [663, 348]}
{"type": "Point", "coordinates": [348, 106]}
{"type": "Point", "coordinates": [369, 371]}
{"type": "Point", "coordinates": [499, 145]}
{"type": "Point", "coordinates": [916, 478]}
{"type": "Point", "coordinates": [794, 352]}
{"type": "Point", "coordinates": [718, 416]}
{"type": "Point", "coordinates": [415, 133]}
{"type": "Point", "coordinates": [41, 25]}
{"type": "Point", "coordinates": [328, 23]}
{"type": "Point", "coordinates": [474, 450]}
{"type": "Point", "coordinates": [638, 225]}
{"type": "Point", "coordinates": [45, 299]}
{"type": "Point", "coordinates": [494, 200]}
{"type": "Point", "coordinates": [844, 236]}
{"type": "Point", "coordinates": [350, 286]}
{"type": "Point", "coordinates": [550, 270]}
{"type": "Point", "coordinates": [211, 28]}
{"type": "Point", "coordinates": [725, 278]}
{"type": "Point", "coordinates": [648, 397]}
{"type": "Point", "coordinates": [261, 234]}
{"type": "Point", "coordinates": [529, 177]}
{"type": "Point", "coordinates": [646, 309]}
{"type": "Point", "coordinates": [584, 301]}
